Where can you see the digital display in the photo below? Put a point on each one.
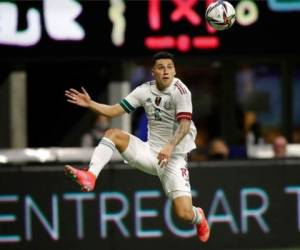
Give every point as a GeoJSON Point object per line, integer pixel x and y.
{"type": "Point", "coordinates": [248, 206]}
{"type": "Point", "coordinates": [68, 29]}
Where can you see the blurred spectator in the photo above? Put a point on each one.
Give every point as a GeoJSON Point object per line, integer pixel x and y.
{"type": "Point", "coordinates": [280, 147]}
{"type": "Point", "coordinates": [218, 150]}
{"type": "Point", "coordinates": [92, 138]}
{"type": "Point", "coordinates": [296, 136]}
{"type": "Point", "coordinates": [252, 129]}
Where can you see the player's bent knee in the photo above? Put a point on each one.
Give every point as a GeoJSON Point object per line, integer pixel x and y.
{"type": "Point", "coordinates": [118, 137]}
{"type": "Point", "coordinates": [113, 133]}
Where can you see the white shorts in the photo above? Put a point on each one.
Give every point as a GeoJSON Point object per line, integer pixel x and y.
{"type": "Point", "coordinates": [174, 176]}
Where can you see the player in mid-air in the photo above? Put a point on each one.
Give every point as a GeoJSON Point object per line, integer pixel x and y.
{"type": "Point", "coordinates": [171, 135]}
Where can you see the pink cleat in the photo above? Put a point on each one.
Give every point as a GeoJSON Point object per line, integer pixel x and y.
{"type": "Point", "coordinates": [83, 177]}
{"type": "Point", "coordinates": [203, 230]}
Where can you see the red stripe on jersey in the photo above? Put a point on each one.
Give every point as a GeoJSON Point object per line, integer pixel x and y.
{"type": "Point", "coordinates": [184, 115]}
{"type": "Point", "coordinates": [181, 88]}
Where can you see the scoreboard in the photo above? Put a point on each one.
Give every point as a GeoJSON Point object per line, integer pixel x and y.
{"type": "Point", "coordinates": [68, 29]}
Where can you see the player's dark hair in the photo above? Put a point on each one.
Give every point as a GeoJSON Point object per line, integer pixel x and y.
{"type": "Point", "coordinates": [162, 55]}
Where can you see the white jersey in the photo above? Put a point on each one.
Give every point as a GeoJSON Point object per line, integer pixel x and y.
{"type": "Point", "coordinates": [164, 110]}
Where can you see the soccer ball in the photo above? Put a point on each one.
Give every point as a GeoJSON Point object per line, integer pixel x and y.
{"type": "Point", "coordinates": [220, 15]}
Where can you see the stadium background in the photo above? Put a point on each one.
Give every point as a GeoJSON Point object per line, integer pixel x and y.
{"type": "Point", "coordinates": [252, 204]}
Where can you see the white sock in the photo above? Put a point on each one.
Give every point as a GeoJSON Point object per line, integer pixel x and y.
{"type": "Point", "coordinates": [197, 218]}
{"type": "Point", "coordinates": [102, 155]}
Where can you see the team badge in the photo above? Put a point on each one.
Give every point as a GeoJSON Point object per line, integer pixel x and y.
{"type": "Point", "coordinates": [167, 105]}
{"type": "Point", "coordinates": [157, 100]}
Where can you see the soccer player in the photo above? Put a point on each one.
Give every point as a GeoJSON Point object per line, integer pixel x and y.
{"type": "Point", "coordinates": [171, 135]}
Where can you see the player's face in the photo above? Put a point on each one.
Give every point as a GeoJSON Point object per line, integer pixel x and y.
{"type": "Point", "coordinates": [163, 72]}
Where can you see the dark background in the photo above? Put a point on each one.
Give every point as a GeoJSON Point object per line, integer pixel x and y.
{"type": "Point", "coordinates": [53, 66]}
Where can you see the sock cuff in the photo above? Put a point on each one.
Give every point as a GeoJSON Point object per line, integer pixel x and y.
{"type": "Point", "coordinates": [197, 218]}
{"type": "Point", "coordinates": [107, 142]}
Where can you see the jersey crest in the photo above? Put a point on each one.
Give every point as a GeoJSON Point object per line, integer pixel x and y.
{"type": "Point", "coordinates": [167, 105]}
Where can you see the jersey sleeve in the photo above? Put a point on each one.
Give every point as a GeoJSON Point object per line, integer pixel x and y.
{"type": "Point", "coordinates": [183, 101]}
{"type": "Point", "coordinates": [133, 100]}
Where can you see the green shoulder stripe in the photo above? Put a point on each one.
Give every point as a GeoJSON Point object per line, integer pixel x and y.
{"type": "Point", "coordinates": [126, 106]}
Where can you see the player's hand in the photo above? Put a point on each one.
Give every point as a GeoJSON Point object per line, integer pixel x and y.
{"type": "Point", "coordinates": [165, 155]}
{"type": "Point", "coordinates": [82, 99]}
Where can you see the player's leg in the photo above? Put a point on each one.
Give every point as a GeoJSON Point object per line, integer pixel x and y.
{"type": "Point", "coordinates": [183, 208]}
{"type": "Point", "coordinates": [139, 156]}
{"type": "Point", "coordinates": [133, 150]}
{"type": "Point", "coordinates": [113, 138]}
{"type": "Point", "coordinates": [175, 180]}
{"type": "Point", "coordinates": [185, 211]}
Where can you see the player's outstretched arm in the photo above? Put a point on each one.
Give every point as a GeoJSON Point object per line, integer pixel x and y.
{"type": "Point", "coordinates": [83, 99]}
